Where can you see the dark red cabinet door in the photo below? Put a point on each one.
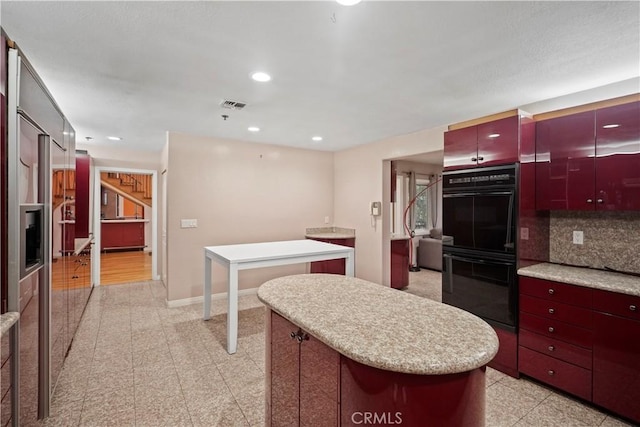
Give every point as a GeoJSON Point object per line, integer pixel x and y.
{"type": "Point", "coordinates": [565, 165]}
{"type": "Point", "coordinates": [332, 266]}
{"type": "Point", "coordinates": [498, 142]}
{"type": "Point", "coordinates": [400, 263]}
{"type": "Point", "coordinates": [319, 383]}
{"type": "Point", "coordinates": [461, 148]}
{"type": "Point", "coordinates": [616, 365]}
{"type": "Point", "coordinates": [285, 374]}
{"type": "Point", "coordinates": [618, 157]}
{"type": "Point", "coordinates": [83, 166]}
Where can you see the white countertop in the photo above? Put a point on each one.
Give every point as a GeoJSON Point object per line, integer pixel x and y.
{"type": "Point", "coordinates": [587, 277]}
{"type": "Point", "coordinates": [108, 221]}
{"type": "Point", "coordinates": [382, 327]}
{"type": "Point", "coordinates": [248, 252]}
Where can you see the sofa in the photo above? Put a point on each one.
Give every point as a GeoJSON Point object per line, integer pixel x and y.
{"type": "Point", "coordinates": [430, 250]}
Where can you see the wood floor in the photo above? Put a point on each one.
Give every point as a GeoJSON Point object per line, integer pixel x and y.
{"type": "Point", "coordinates": [124, 267]}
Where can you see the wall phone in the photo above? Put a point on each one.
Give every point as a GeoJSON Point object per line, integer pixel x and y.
{"type": "Point", "coordinates": [375, 208]}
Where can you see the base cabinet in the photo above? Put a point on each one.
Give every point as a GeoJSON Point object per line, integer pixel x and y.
{"type": "Point", "coordinates": [616, 354]}
{"type": "Point", "coordinates": [310, 384]}
{"type": "Point", "coordinates": [332, 266]}
{"type": "Point", "coordinates": [400, 263]}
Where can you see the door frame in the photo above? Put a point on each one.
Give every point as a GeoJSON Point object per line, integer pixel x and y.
{"type": "Point", "coordinates": [97, 200]}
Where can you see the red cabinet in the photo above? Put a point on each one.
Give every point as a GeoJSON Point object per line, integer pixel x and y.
{"type": "Point", "coordinates": [589, 160]}
{"type": "Point", "coordinates": [83, 166]}
{"type": "Point", "coordinates": [616, 353]}
{"type": "Point", "coordinates": [332, 266]}
{"type": "Point", "coordinates": [556, 336]}
{"type": "Point", "coordinates": [486, 144]}
{"type": "Point", "coordinates": [618, 157]}
{"type": "Point", "coordinates": [400, 263]}
{"type": "Point", "coordinates": [122, 234]}
{"type": "Point", "coordinates": [303, 377]}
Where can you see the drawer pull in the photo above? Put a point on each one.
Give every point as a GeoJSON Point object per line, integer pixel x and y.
{"type": "Point", "coordinates": [551, 348]}
{"type": "Point", "coordinates": [551, 291]}
{"type": "Point", "coordinates": [551, 372]}
{"type": "Point", "coordinates": [551, 329]}
{"type": "Point", "coordinates": [633, 308]}
{"type": "Point", "coordinates": [551, 311]}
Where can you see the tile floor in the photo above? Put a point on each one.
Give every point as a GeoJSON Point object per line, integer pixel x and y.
{"type": "Point", "coordinates": [135, 362]}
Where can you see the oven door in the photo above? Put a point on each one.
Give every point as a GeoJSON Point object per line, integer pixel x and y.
{"type": "Point", "coordinates": [482, 286]}
{"type": "Point", "coordinates": [480, 220]}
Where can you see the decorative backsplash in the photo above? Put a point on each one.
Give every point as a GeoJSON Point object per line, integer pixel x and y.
{"type": "Point", "coordinates": [611, 239]}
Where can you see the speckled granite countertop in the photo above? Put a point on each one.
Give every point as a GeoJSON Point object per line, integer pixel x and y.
{"type": "Point", "coordinates": [588, 277]}
{"type": "Point", "coordinates": [7, 320]}
{"type": "Point", "coordinates": [330, 233]}
{"type": "Point", "coordinates": [380, 326]}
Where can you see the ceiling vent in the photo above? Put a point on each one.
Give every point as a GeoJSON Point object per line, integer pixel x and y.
{"type": "Point", "coordinates": [232, 105]}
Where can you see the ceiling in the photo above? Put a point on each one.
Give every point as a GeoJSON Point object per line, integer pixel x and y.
{"type": "Point", "coordinates": [352, 75]}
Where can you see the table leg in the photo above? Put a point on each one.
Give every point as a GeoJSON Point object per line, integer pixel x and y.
{"type": "Point", "coordinates": [206, 315]}
{"type": "Point", "coordinates": [350, 265]}
{"type": "Point", "coordinates": [232, 310]}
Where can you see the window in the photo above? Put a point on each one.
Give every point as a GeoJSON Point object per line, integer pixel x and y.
{"type": "Point", "coordinates": [420, 208]}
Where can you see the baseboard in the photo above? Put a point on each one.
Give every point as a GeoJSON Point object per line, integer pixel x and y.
{"type": "Point", "coordinates": [214, 297]}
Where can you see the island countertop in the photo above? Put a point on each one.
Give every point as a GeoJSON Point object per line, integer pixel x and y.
{"type": "Point", "coordinates": [382, 327]}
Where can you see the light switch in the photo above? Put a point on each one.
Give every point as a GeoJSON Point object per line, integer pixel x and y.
{"type": "Point", "coordinates": [524, 233]}
{"type": "Point", "coordinates": [188, 223]}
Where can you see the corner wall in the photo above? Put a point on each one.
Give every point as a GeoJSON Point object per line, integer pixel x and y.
{"type": "Point", "coordinates": [361, 178]}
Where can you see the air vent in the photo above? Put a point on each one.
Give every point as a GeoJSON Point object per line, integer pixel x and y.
{"type": "Point", "coordinates": [232, 105]}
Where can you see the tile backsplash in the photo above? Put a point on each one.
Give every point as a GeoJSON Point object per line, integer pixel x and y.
{"type": "Point", "coordinates": [611, 239]}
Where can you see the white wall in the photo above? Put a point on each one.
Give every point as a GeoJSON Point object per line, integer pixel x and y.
{"type": "Point", "coordinates": [359, 180]}
{"type": "Point", "coordinates": [239, 192]}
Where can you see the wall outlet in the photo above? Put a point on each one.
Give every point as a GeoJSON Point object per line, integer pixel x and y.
{"type": "Point", "coordinates": [188, 223]}
{"type": "Point", "coordinates": [578, 237]}
{"type": "Point", "coordinates": [326, 220]}
{"type": "Point", "coordinates": [524, 233]}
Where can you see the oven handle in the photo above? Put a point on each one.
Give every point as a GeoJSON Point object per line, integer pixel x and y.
{"type": "Point", "coordinates": [478, 260]}
{"type": "Point", "coordinates": [478, 193]}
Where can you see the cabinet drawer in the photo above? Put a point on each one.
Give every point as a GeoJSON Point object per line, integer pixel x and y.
{"type": "Point", "coordinates": [565, 376]}
{"type": "Point", "coordinates": [556, 310]}
{"type": "Point", "coordinates": [557, 330]}
{"type": "Point", "coordinates": [554, 291]}
{"type": "Point", "coordinates": [555, 348]}
{"type": "Point", "coordinates": [619, 304]}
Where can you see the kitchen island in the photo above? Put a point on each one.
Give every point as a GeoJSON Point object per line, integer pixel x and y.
{"type": "Point", "coordinates": [122, 234]}
{"type": "Point", "coordinates": [344, 351]}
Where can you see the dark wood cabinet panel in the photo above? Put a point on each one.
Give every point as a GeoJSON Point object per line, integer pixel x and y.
{"type": "Point", "coordinates": [617, 161]}
{"type": "Point", "coordinates": [117, 235]}
{"type": "Point", "coordinates": [557, 330]}
{"type": "Point", "coordinates": [461, 148]}
{"type": "Point", "coordinates": [557, 311]}
{"type": "Point", "coordinates": [554, 291]}
{"type": "Point", "coordinates": [83, 166]}
{"type": "Point", "coordinates": [556, 348]}
{"type": "Point", "coordinates": [487, 144]}
{"type": "Point", "coordinates": [319, 384]}
{"type": "Point", "coordinates": [332, 266]}
{"type": "Point", "coordinates": [400, 263]}
{"type": "Point", "coordinates": [616, 364]}
{"type": "Point", "coordinates": [565, 376]}
{"type": "Point", "coordinates": [285, 375]}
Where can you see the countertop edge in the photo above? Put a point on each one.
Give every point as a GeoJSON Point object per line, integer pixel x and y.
{"type": "Point", "coordinates": [585, 277]}
{"type": "Point", "coordinates": [7, 320]}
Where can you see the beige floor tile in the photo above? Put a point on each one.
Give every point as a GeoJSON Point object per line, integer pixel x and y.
{"type": "Point", "coordinates": [526, 386]}
{"type": "Point", "coordinates": [121, 417]}
{"type": "Point", "coordinates": [217, 410]}
{"type": "Point", "coordinates": [506, 406]}
{"type": "Point", "coordinates": [610, 421]}
{"type": "Point", "coordinates": [252, 403]}
{"type": "Point", "coordinates": [170, 411]}
{"type": "Point", "coordinates": [546, 415]}
{"type": "Point", "coordinates": [575, 409]}
{"type": "Point", "coordinates": [493, 376]}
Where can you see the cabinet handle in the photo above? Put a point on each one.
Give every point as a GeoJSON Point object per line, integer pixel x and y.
{"type": "Point", "coordinates": [480, 158]}
{"type": "Point", "coordinates": [632, 308]}
{"type": "Point", "coordinates": [474, 159]}
{"type": "Point", "coordinates": [302, 336]}
{"type": "Point", "coordinates": [600, 201]}
{"type": "Point", "coordinates": [551, 329]}
{"type": "Point", "coordinates": [551, 348]}
{"type": "Point", "coordinates": [551, 291]}
{"type": "Point", "coordinates": [293, 335]}
{"type": "Point", "coordinates": [551, 311]}
{"type": "Point", "coordinates": [589, 200]}
{"type": "Point", "coordinates": [551, 372]}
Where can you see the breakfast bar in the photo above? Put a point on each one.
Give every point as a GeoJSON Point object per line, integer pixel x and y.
{"type": "Point", "coordinates": [341, 351]}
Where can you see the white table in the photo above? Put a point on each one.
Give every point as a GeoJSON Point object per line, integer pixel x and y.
{"type": "Point", "coordinates": [257, 255]}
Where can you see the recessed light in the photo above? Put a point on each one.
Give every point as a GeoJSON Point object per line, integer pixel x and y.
{"type": "Point", "coordinates": [260, 76]}
{"type": "Point", "coordinates": [611, 126]}
{"type": "Point", "coordinates": [253, 129]}
{"type": "Point", "coordinates": [316, 138]}
{"type": "Point", "coordinates": [494, 135]}
{"type": "Point", "coordinates": [348, 2]}
{"type": "Point", "coordinates": [114, 138]}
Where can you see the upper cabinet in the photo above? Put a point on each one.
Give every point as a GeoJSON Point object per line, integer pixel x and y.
{"type": "Point", "coordinates": [83, 166]}
{"type": "Point", "coordinates": [589, 160]}
{"type": "Point", "coordinates": [485, 144]}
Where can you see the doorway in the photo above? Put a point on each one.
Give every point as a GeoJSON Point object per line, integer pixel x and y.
{"type": "Point", "coordinates": [125, 225]}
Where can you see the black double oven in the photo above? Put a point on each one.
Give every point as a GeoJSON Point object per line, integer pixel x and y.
{"type": "Point", "coordinates": [479, 243]}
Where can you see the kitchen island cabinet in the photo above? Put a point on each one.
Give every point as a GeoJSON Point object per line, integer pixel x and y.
{"type": "Point", "coordinates": [339, 348]}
